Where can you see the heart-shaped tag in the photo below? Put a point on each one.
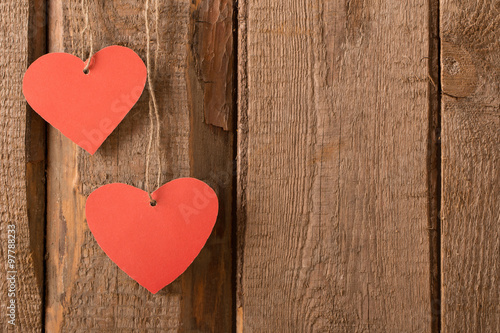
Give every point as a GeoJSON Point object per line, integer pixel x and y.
{"type": "Point", "coordinates": [85, 107]}
{"type": "Point", "coordinates": [153, 244]}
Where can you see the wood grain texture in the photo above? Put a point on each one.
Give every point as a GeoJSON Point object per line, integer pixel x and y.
{"type": "Point", "coordinates": [213, 58]}
{"type": "Point", "coordinates": [332, 176]}
{"type": "Point", "coordinates": [470, 60]}
{"type": "Point", "coordinates": [86, 291]}
{"type": "Point", "coordinates": [35, 137]}
{"type": "Point", "coordinates": [15, 54]}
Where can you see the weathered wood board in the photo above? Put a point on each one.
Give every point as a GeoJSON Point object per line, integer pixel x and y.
{"type": "Point", "coordinates": [332, 179]}
{"type": "Point", "coordinates": [21, 227]}
{"type": "Point", "coordinates": [470, 62]}
{"type": "Point", "coordinates": [85, 290]}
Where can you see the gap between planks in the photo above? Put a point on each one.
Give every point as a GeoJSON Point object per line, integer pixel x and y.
{"type": "Point", "coordinates": [434, 164]}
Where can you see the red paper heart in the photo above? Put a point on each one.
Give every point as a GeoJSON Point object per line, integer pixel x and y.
{"type": "Point", "coordinates": [153, 245]}
{"type": "Point", "coordinates": [85, 107]}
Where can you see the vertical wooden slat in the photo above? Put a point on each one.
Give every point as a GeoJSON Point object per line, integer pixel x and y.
{"type": "Point", "coordinates": [86, 291]}
{"type": "Point", "coordinates": [20, 284]}
{"type": "Point", "coordinates": [333, 188]}
{"type": "Point", "coordinates": [36, 147]}
{"type": "Point", "coordinates": [207, 287]}
{"type": "Point", "coordinates": [470, 61]}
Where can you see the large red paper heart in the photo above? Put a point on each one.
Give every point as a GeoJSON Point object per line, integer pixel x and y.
{"type": "Point", "coordinates": [153, 244]}
{"type": "Point", "coordinates": [85, 107]}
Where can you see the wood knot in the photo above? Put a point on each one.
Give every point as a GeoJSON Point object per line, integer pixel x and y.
{"type": "Point", "coordinates": [451, 66]}
{"type": "Point", "coordinates": [458, 75]}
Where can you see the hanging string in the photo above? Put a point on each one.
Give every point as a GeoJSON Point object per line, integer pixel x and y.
{"type": "Point", "coordinates": [85, 10]}
{"type": "Point", "coordinates": [153, 106]}
{"type": "Point", "coordinates": [91, 53]}
{"type": "Point", "coordinates": [157, 114]}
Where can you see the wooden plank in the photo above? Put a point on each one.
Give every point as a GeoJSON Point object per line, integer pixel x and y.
{"type": "Point", "coordinates": [36, 149]}
{"type": "Point", "coordinates": [212, 50]}
{"type": "Point", "coordinates": [332, 177]}
{"type": "Point", "coordinates": [21, 226]}
{"type": "Point", "coordinates": [470, 60]}
{"type": "Point", "coordinates": [86, 291]}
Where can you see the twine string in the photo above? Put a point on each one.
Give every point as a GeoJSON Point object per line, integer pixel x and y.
{"type": "Point", "coordinates": [154, 115]}
{"type": "Point", "coordinates": [157, 114]}
{"type": "Point", "coordinates": [91, 53]}
{"type": "Point", "coordinates": [85, 10]}
{"type": "Point", "coordinates": [153, 106]}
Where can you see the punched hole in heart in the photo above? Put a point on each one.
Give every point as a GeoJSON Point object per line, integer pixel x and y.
{"type": "Point", "coordinates": [87, 65]}
{"type": "Point", "coordinates": [86, 69]}
{"type": "Point", "coordinates": [152, 201]}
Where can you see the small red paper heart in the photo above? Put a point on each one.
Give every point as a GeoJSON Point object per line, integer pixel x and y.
{"type": "Point", "coordinates": [153, 244]}
{"type": "Point", "coordinates": [86, 108]}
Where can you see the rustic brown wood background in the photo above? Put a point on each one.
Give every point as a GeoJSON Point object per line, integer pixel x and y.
{"type": "Point", "coordinates": [354, 146]}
